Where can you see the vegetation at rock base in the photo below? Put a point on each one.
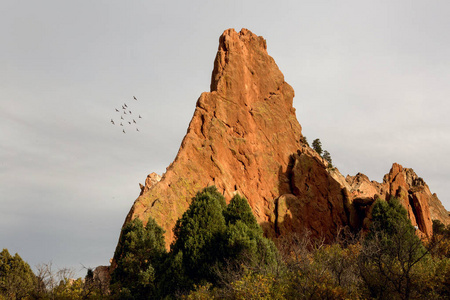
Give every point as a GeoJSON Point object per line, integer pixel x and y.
{"type": "Point", "coordinates": [139, 255]}
{"type": "Point", "coordinates": [211, 237]}
{"type": "Point", "coordinates": [219, 252]}
{"type": "Point", "coordinates": [17, 281]}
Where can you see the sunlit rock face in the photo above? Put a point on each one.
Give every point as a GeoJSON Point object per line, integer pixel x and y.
{"type": "Point", "coordinates": [244, 138]}
{"type": "Point", "coordinates": [239, 139]}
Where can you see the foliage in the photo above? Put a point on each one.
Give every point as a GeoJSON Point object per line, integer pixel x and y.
{"type": "Point", "coordinates": [327, 157]}
{"type": "Point", "coordinates": [17, 280]}
{"type": "Point", "coordinates": [318, 271]}
{"type": "Point", "coordinates": [391, 253]}
{"type": "Point", "coordinates": [304, 140]}
{"type": "Point", "coordinates": [210, 237]}
{"type": "Point", "coordinates": [317, 146]}
{"type": "Point", "coordinates": [439, 244]}
{"type": "Point", "coordinates": [138, 257]}
{"type": "Point", "coordinates": [239, 210]}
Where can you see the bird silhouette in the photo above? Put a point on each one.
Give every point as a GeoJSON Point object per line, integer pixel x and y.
{"type": "Point", "coordinates": [121, 124]}
{"type": "Point", "coordinates": [112, 121]}
{"type": "Point", "coordinates": [123, 130]}
{"type": "Point", "coordinates": [124, 112]}
{"type": "Point", "coordinates": [129, 123]}
{"type": "Point", "coordinates": [125, 105]}
{"type": "Point", "coordinates": [117, 110]}
{"type": "Point", "coordinates": [140, 117]}
{"type": "Point", "coordinates": [137, 129]}
{"type": "Point", "coordinates": [134, 98]}
{"type": "Point", "coordinates": [134, 121]}
{"type": "Point", "coordinates": [129, 112]}
{"type": "Point", "coordinates": [121, 117]}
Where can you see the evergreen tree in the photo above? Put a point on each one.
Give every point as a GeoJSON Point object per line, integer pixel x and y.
{"type": "Point", "coordinates": [139, 255]}
{"type": "Point", "coordinates": [196, 239]}
{"type": "Point", "coordinates": [317, 146]}
{"type": "Point", "coordinates": [391, 252]}
{"type": "Point", "coordinates": [208, 237]}
{"type": "Point", "coordinates": [238, 209]}
{"type": "Point", "coordinates": [327, 157]}
{"type": "Point", "coordinates": [244, 240]}
{"type": "Point", "coordinates": [17, 280]}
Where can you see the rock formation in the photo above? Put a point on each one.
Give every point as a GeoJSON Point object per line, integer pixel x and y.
{"type": "Point", "coordinates": [239, 139]}
{"type": "Point", "coordinates": [317, 190]}
{"type": "Point", "coordinates": [244, 137]}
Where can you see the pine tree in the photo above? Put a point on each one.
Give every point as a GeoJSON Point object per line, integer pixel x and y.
{"type": "Point", "coordinates": [327, 157]}
{"type": "Point", "coordinates": [391, 252]}
{"type": "Point", "coordinates": [17, 280]}
{"type": "Point", "coordinates": [317, 146]}
{"type": "Point", "coordinates": [139, 255]}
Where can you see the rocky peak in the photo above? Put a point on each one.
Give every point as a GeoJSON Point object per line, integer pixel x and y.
{"type": "Point", "coordinates": [244, 137]}
{"type": "Point", "coordinates": [240, 137]}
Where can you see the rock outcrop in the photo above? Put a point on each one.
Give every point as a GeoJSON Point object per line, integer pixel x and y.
{"type": "Point", "coordinates": [402, 183]}
{"type": "Point", "coordinates": [244, 137]}
{"type": "Point", "coordinates": [239, 139]}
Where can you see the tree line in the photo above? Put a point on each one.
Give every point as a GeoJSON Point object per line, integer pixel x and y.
{"type": "Point", "coordinates": [219, 252]}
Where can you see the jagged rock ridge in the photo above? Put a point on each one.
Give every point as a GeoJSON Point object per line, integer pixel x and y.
{"type": "Point", "coordinates": [244, 137]}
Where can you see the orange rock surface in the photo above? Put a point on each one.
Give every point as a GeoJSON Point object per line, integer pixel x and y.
{"type": "Point", "coordinates": [239, 139]}
{"type": "Point", "coordinates": [244, 137]}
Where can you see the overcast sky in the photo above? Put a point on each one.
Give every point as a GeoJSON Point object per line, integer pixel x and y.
{"type": "Point", "coordinates": [372, 81]}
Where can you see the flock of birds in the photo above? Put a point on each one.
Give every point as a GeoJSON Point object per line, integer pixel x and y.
{"type": "Point", "coordinates": [126, 116]}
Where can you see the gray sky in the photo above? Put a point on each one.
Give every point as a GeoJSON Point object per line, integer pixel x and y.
{"type": "Point", "coordinates": [371, 81]}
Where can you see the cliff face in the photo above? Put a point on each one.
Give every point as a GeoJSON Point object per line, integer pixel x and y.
{"type": "Point", "coordinates": [239, 139]}
{"type": "Point", "coordinates": [244, 137]}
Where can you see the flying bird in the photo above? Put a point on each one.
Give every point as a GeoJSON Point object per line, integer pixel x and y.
{"type": "Point", "coordinates": [134, 98]}
{"type": "Point", "coordinates": [137, 129]}
{"type": "Point", "coordinates": [140, 117]}
{"type": "Point", "coordinates": [117, 110]}
{"type": "Point", "coordinates": [121, 124]}
{"type": "Point", "coordinates": [123, 130]}
{"type": "Point", "coordinates": [112, 121]}
{"type": "Point", "coordinates": [129, 112]}
{"type": "Point", "coordinates": [121, 117]}
{"type": "Point", "coordinates": [124, 112]}
{"type": "Point", "coordinates": [129, 123]}
{"type": "Point", "coordinates": [134, 121]}
{"type": "Point", "coordinates": [125, 105]}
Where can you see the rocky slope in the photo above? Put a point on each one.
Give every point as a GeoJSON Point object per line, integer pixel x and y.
{"type": "Point", "coordinates": [244, 137]}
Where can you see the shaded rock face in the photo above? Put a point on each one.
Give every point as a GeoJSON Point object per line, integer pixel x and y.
{"type": "Point", "coordinates": [316, 202]}
{"type": "Point", "coordinates": [403, 183]}
{"type": "Point", "coordinates": [322, 201]}
{"type": "Point", "coordinates": [239, 139]}
{"type": "Point", "coordinates": [244, 137]}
